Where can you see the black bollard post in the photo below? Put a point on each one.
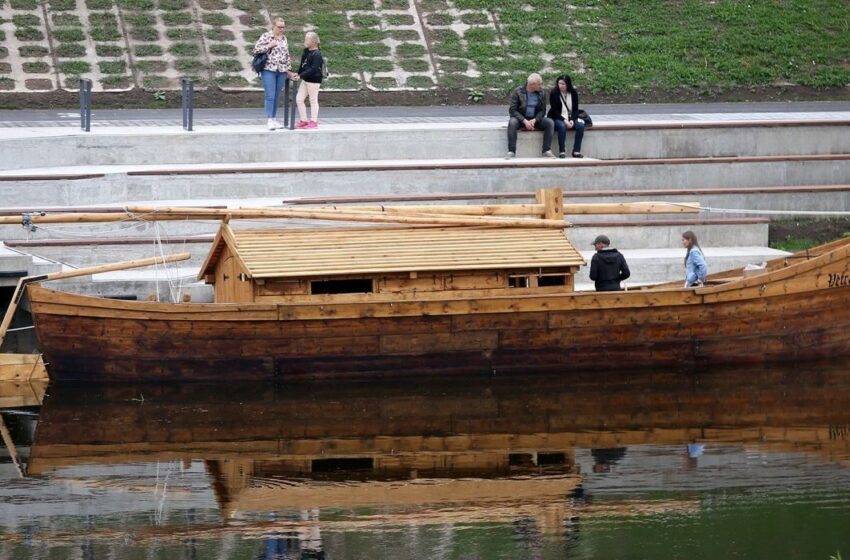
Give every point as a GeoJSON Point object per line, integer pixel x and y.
{"type": "Point", "coordinates": [286, 103]}
{"type": "Point", "coordinates": [292, 108]}
{"type": "Point", "coordinates": [85, 104]}
{"type": "Point", "coordinates": [188, 103]}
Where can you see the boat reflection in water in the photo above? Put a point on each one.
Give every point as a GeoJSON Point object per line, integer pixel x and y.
{"type": "Point", "coordinates": [479, 467]}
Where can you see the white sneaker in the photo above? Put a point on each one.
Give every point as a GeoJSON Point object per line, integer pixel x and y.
{"type": "Point", "coordinates": [273, 124]}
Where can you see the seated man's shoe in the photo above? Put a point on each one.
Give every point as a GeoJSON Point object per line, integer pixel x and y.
{"type": "Point", "coordinates": [548, 154]}
{"type": "Point", "coordinates": [511, 155]}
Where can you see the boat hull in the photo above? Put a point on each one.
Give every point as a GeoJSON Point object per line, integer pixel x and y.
{"type": "Point", "coordinates": [795, 312]}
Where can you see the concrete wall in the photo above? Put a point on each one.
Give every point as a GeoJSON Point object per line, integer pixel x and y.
{"type": "Point", "coordinates": [121, 189]}
{"type": "Point", "coordinates": [416, 142]}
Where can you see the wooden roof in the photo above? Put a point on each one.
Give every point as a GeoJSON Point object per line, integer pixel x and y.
{"type": "Point", "coordinates": [287, 253]}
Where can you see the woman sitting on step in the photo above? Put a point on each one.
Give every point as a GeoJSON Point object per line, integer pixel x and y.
{"type": "Point", "coordinates": [563, 109]}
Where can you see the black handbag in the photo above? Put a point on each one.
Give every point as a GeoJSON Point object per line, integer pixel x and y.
{"type": "Point", "coordinates": [259, 62]}
{"type": "Point", "coordinates": [582, 114]}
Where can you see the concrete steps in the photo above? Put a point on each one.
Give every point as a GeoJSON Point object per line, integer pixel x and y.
{"type": "Point", "coordinates": [411, 141]}
{"type": "Point", "coordinates": [629, 177]}
{"type": "Point", "coordinates": [15, 264]}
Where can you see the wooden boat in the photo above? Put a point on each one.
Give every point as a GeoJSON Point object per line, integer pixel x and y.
{"type": "Point", "coordinates": [409, 299]}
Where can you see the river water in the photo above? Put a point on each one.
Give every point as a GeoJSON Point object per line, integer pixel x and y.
{"type": "Point", "coordinates": [729, 463]}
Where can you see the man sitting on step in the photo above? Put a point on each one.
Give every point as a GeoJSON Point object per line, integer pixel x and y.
{"type": "Point", "coordinates": [528, 110]}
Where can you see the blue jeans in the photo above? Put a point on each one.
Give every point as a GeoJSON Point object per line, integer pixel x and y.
{"type": "Point", "coordinates": [561, 127]}
{"type": "Point", "coordinates": [273, 84]}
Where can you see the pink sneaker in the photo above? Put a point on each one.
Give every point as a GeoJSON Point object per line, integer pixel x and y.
{"type": "Point", "coordinates": [312, 124]}
{"type": "Point", "coordinates": [302, 124]}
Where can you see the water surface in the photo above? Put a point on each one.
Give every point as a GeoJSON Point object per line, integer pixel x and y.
{"type": "Point", "coordinates": [732, 463]}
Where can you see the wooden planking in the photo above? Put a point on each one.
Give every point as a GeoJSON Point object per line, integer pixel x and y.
{"type": "Point", "coordinates": [22, 367]}
{"type": "Point", "coordinates": [293, 253]}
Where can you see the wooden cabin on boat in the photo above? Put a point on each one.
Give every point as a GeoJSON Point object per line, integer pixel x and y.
{"type": "Point", "coordinates": [351, 264]}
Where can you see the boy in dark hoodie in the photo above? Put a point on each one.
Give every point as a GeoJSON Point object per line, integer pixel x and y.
{"type": "Point", "coordinates": [608, 266]}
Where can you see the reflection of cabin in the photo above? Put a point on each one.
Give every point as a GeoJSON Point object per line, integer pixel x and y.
{"type": "Point", "coordinates": [396, 262]}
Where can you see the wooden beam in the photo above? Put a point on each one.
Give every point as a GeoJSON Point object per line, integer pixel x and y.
{"type": "Point", "coordinates": [553, 203]}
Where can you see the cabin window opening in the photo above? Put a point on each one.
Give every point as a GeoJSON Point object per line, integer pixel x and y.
{"type": "Point", "coordinates": [520, 460]}
{"type": "Point", "coordinates": [552, 280]}
{"type": "Point", "coordinates": [556, 458]}
{"type": "Point", "coordinates": [518, 281]}
{"type": "Point", "coordinates": [352, 286]}
{"type": "Point", "coordinates": [343, 464]}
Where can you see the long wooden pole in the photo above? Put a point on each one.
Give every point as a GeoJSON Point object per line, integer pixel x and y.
{"type": "Point", "coordinates": [23, 282]}
{"type": "Point", "coordinates": [459, 214]}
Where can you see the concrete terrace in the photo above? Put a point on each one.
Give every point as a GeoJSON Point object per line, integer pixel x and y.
{"type": "Point", "coordinates": [754, 157]}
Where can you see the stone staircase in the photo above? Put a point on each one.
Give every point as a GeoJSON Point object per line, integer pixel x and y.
{"type": "Point", "coordinates": [765, 165]}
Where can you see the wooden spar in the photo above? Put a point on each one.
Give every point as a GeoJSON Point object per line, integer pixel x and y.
{"type": "Point", "coordinates": [459, 214]}
{"type": "Point", "coordinates": [22, 283]}
{"type": "Point", "coordinates": [10, 445]}
{"type": "Point", "coordinates": [332, 214]}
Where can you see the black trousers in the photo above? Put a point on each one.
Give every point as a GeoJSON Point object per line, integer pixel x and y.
{"type": "Point", "coordinates": [545, 124]}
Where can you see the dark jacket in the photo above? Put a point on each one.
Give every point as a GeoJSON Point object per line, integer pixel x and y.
{"type": "Point", "coordinates": [519, 103]}
{"type": "Point", "coordinates": [556, 105]}
{"type": "Point", "coordinates": [311, 66]}
{"type": "Point", "coordinates": [608, 268]}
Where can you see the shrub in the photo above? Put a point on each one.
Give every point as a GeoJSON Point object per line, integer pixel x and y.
{"type": "Point", "coordinates": [181, 33]}
{"type": "Point", "coordinates": [212, 4]}
{"type": "Point", "coordinates": [367, 35]}
{"type": "Point", "coordinates": [33, 51]}
{"type": "Point", "coordinates": [137, 5]}
{"type": "Point", "coordinates": [70, 50]}
{"type": "Point", "coordinates": [141, 20]}
{"type": "Point", "coordinates": [227, 65]}
{"type": "Point", "coordinates": [148, 50]}
{"type": "Point", "coordinates": [100, 4]}
{"type": "Point", "coordinates": [63, 5]}
{"type": "Point", "coordinates": [177, 18]}
{"type": "Point", "coordinates": [439, 19]}
{"type": "Point", "coordinates": [108, 50]}
{"type": "Point", "coordinates": [29, 34]}
{"type": "Point", "coordinates": [404, 34]}
{"type": "Point", "coordinates": [173, 5]}
{"type": "Point", "coordinates": [383, 83]}
{"type": "Point", "coordinates": [153, 82]}
{"type": "Point", "coordinates": [7, 84]}
{"type": "Point", "coordinates": [363, 20]}
{"type": "Point", "coordinates": [144, 34]}
{"type": "Point", "coordinates": [475, 18]}
{"type": "Point", "coordinates": [68, 35]}
{"type": "Point", "coordinates": [26, 20]}
{"type": "Point", "coordinates": [400, 19]}
{"type": "Point", "coordinates": [74, 67]}
{"type": "Point", "coordinates": [102, 19]}
{"type": "Point", "coordinates": [116, 67]}
{"type": "Point", "coordinates": [5, 68]}
{"type": "Point", "coordinates": [223, 35]}
{"type": "Point", "coordinates": [217, 19]}
{"type": "Point", "coordinates": [115, 81]}
{"type": "Point", "coordinates": [420, 82]}
{"type": "Point", "coordinates": [105, 33]}
{"type": "Point", "coordinates": [151, 66]}
{"type": "Point", "coordinates": [415, 65]}
{"type": "Point", "coordinates": [36, 67]}
{"type": "Point", "coordinates": [66, 20]}
{"type": "Point", "coordinates": [187, 64]}
{"type": "Point", "coordinates": [4, 52]}
{"type": "Point", "coordinates": [184, 49]}
{"type": "Point", "coordinates": [395, 4]}
{"type": "Point", "coordinates": [410, 50]}
{"type": "Point", "coordinates": [24, 4]}
{"type": "Point", "coordinates": [223, 49]}
{"type": "Point", "coordinates": [372, 65]}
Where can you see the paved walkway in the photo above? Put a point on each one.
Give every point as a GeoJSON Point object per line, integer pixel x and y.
{"type": "Point", "coordinates": [614, 114]}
